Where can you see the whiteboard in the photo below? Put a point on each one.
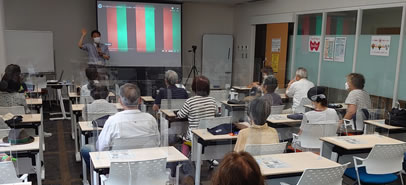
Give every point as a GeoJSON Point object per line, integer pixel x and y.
{"type": "Point", "coordinates": [217, 59]}
{"type": "Point", "coordinates": [33, 51]}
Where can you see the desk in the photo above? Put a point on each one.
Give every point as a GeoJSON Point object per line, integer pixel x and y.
{"type": "Point", "coordinates": [76, 109]}
{"type": "Point", "coordinates": [102, 160]}
{"type": "Point", "coordinates": [282, 119]}
{"type": "Point", "coordinates": [284, 125]}
{"type": "Point", "coordinates": [76, 96]}
{"type": "Point", "coordinates": [167, 117]}
{"type": "Point", "coordinates": [361, 144]}
{"type": "Point", "coordinates": [372, 124]}
{"type": "Point", "coordinates": [58, 86]}
{"type": "Point", "coordinates": [86, 128]}
{"type": "Point", "coordinates": [236, 111]}
{"type": "Point", "coordinates": [147, 102]}
{"type": "Point", "coordinates": [32, 150]}
{"type": "Point", "coordinates": [34, 101]}
{"type": "Point", "coordinates": [206, 139]}
{"type": "Point", "coordinates": [296, 164]}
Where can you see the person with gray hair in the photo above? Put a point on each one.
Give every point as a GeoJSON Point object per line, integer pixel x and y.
{"type": "Point", "coordinates": [130, 123]}
{"type": "Point", "coordinates": [258, 132]}
{"type": "Point", "coordinates": [298, 88]}
{"type": "Point", "coordinates": [171, 91]}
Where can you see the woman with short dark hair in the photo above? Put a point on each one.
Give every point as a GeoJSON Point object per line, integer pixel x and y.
{"type": "Point", "coordinates": [259, 132]}
{"type": "Point", "coordinates": [199, 106]}
{"type": "Point", "coordinates": [10, 87]}
{"type": "Point", "coordinates": [238, 169]}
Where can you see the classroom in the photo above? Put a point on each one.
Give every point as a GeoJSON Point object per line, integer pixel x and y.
{"type": "Point", "coordinates": [202, 92]}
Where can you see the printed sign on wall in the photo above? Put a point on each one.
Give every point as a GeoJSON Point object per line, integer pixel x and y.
{"type": "Point", "coordinates": [380, 45]}
{"type": "Point", "coordinates": [314, 44]}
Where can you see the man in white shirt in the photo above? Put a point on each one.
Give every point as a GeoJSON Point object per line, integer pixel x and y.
{"type": "Point", "coordinates": [298, 88]}
{"type": "Point", "coordinates": [130, 123]}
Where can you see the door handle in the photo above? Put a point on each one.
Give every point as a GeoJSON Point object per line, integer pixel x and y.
{"type": "Point", "coordinates": [229, 50]}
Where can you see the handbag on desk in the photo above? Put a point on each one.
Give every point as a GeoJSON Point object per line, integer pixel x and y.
{"type": "Point", "coordinates": [397, 117]}
{"type": "Point", "coordinates": [99, 122]}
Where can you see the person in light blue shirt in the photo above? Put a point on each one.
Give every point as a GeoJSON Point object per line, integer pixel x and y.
{"type": "Point", "coordinates": [98, 52]}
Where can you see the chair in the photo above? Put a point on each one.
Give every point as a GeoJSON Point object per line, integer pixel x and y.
{"type": "Point", "coordinates": [356, 124]}
{"type": "Point", "coordinates": [8, 174]}
{"type": "Point", "coordinates": [277, 109]}
{"type": "Point", "coordinates": [380, 166]}
{"type": "Point", "coordinates": [301, 107]}
{"type": "Point", "coordinates": [322, 176]}
{"type": "Point", "coordinates": [265, 149]}
{"type": "Point", "coordinates": [135, 142]}
{"type": "Point", "coordinates": [16, 110]}
{"type": "Point", "coordinates": [311, 134]}
{"type": "Point", "coordinates": [172, 103]}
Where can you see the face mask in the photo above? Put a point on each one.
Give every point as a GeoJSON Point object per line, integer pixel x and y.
{"type": "Point", "coordinates": [346, 86]}
{"type": "Point", "coordinates": [96, 40]}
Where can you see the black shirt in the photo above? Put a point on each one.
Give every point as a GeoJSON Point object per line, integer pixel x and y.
{"type": "Point", "coordinates": [174, 93]}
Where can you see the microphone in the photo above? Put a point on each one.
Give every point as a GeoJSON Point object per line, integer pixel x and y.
{"type": "Point", "coordinates": [98, 45]}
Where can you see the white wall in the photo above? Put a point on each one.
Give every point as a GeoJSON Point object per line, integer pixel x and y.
{"type": "Point", "coordinates": [199, 19]}
{"type": "Point", "coordinates": [269, 11]}
{"type": "Point", "coordinates": [3, 62]}
{"type": "Point", "coordinates": [65, 19]}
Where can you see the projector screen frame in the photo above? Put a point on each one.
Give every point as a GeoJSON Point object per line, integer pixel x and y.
{"type": "Point", "coordinates": [157, 2]}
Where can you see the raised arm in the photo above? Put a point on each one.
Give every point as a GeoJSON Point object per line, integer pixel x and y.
{"type": "Point", "coordinates": [80, 44]}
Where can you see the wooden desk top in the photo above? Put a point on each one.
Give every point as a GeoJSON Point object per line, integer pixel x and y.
{"type": "Point", "coordinates": [363, 141]}
{"type": "Point", "coordinates": [79, 107]}
{"type": "Point", "coordinates": [30, 118]}
{"type": "Point", "coordinates": [207, 136]}
{"type": "Point", "coordinates": [296, 163]}
{"type": "Point", "coordinates": [86, 126]}
{"type": "Point", "coordinates": [34, 101]}
{"type": "Point", "coordinates": [241, 88]}
{"type": "Point", "coordinates": [75, 95]}
{"type": "Point", "coordinates": [381, 123]}
{"type": "Point", "coordinates": [168, 112]}
{"type": "Point", "coordinates": [281, 119]}
{"type": "Point", "coordinates": [147, 99]}
{"type": "Point", "coordinates": [26, 147]}
{"type": "Point", "coordinates": [232, 105]}
{"type": "Point", "coordinates": [102, 160]}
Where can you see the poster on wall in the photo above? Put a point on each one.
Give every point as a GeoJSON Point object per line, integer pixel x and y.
{"type": "Point", "coordinates": [339, 49]}
{"type": "Point", "coordinates": [314, 44]}
{"type": "Point", "coordinates": [329, 49]}
{"type": "Point", "coordinates": [276, 45]}
{"type": "Point", "coordinates": [275, 62]}
{"type": "Point", "coordinates": [380, 45]}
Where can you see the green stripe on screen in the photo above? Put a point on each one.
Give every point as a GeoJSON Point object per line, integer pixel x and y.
{"type": "Point", "coordinates": [318, 25]}
{"type": "Point", "coordinates": [150, 28]}
{"type": "Point", "coordinates": [122, 28]}
{"type": "Point", "coordinates": [176, 30]}
{"type": "Point", "coordinates": [339, 29]}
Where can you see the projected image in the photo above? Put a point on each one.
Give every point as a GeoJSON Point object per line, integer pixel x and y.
{"type": "Point", "coordinates": [141, 34]}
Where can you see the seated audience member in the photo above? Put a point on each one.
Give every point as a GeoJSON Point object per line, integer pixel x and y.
{"type": "Point", "coordinates": [171, 91]}
{"type": "Point", "coordinates": [298, 87]}
{"type": "Point", "coordinates": [269, 86]}
{"type": "Point", "coordinates": [129, 123]}
{"type": "Point", "coordinates": [199, 106]}
{"type": "Point", "coordinates": [321, 113]}
{"type": "Point", "coordinates": [357, 99]}
{"type": "Point", "coordinates": [265, 72]}
{"type": "Point", "coordinates": [100, 104]}
{"type": "Point", "coordinates": [238, 169]}
{"type": "Point", "coordinates": [259, 132]}
{"type": "Point", "coordinates": [92, 78]}
{"type": "Point", "coordinates": [10, 85]}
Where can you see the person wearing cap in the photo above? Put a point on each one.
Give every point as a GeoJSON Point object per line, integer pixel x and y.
{"type": "Point", "coordinates": [321, 112]}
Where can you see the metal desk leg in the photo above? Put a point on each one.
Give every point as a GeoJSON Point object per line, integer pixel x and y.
{"type": "Point", "coordinates": [94, 174]}
{"type": "Point", "coordinates": [41, 131]}
{"type": "Point", "coordinates": [224, 111]}
{"type": "Point", "coordinates": [77, 154]}
{"type": "Point", "coordinates": [198, 163]}
{"type": "Point", "coordinates": [327, 151]}
{"type": "Point", "coordinates": [38, 168]}
{"type": "Point", "coordinates": [84, 167]}
{"type": "Point", "coordinates": [73, 120]}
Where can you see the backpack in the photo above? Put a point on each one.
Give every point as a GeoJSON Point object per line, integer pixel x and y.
{"type": "Point", "coordinates": [397, 117]}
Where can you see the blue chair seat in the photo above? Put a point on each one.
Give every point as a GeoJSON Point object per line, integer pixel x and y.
{"type": "Point", "coordinates": [370, 178]}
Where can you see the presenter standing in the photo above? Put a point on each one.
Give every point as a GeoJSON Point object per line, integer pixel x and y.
{"type": "Point", "coordinates": [98, 53]}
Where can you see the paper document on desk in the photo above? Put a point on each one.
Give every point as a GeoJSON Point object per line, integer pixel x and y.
{"type": "Point", "coordinates": [271, 162]}
{"type": "Point", "coordinates": [277, 117]}
{"type": "Point", "coordinates": [120, 155]}
{"type": "Point", "coordinates": [350, 140]}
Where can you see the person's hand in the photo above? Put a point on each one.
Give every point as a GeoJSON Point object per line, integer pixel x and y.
{"type": "Point", "coordinates": [84, 32]}
{"type": "Point", "coordinates": [99, 50]}
{"type": "Point", "coordinates": [291, 81]}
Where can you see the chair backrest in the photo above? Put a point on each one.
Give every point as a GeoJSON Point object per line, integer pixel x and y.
{"type": "Point", "coordinates": [311, 133]}
{"type": "Point", "coordinates": [212, 122]}
{"type": "Point", "coordinates": [219, 96]}
{"type": "Point", "coordinates": [303, 102]}
{"type": "Point", "coordinates": [385, 158]}
{"type": "Point", "coordinates": [265, 149]}
{"type": "Point", "coordinates": [86, 99]}
{"type": "Point", "coordinates": [120, 173]}
{"type": "Point", "coordinates": [277, 109]}
{"type": "Point", "coordinates": [135, 142]}
{"type": "Point", "coordinates": [16, 110]}
{"type": "Point", "coordinates": [149, 172]}
{"type": "Point", "coordinates": [375, 114]}
{"type": "Point", "coordinates": [172, 103]}
{"type": "Point", "coordinates": [8, 173]}
{"type": "Point", "coordinates": [323, 176]}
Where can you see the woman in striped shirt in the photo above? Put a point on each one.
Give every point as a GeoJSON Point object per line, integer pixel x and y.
{"type": "Point", "coordinates": [199, 106]}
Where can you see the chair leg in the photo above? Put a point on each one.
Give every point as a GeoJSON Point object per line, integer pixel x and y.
{"type": "Point", "coordinates": [401, 177]}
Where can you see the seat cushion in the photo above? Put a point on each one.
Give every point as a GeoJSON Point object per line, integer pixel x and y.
{"type": "Point", "coordinates": [370, 178]}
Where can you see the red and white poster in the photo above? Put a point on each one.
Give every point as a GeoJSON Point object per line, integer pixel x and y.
{"type": "Point", "coordinates": [314, 43]}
